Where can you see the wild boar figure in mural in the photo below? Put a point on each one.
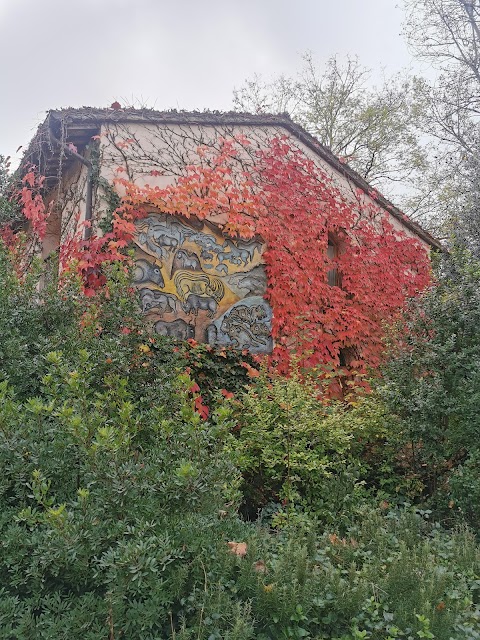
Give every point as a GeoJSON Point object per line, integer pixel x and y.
{"type": "Point", "coordinates": [194, 304]}
{"type": "Point", "coordinates": [146, 271]}
{"type": "Point", "coordinates": [162, 302]}
{"type": "Point", "coordinates": [178, 329]}
{"type": "Point", "coordinates": [253, 282]}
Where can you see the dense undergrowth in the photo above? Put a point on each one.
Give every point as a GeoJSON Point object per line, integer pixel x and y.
{"type": "Point", "coordinates": [151, 489]}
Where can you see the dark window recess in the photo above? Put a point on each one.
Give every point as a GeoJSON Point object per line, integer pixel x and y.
{"type": "Point", "coordinates": [333, 275]}
{"type": "Point", "coordinates": [347, 355]}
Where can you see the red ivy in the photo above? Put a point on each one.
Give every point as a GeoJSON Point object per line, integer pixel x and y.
{"type": "Point", "coordinates": [31, 201]}
{"type": "Point", "coordinates": [87, 256]}
{"type": "Point", "coordinates": [29, 197]}
{"type": "Point", "coordinates": [294, 207]}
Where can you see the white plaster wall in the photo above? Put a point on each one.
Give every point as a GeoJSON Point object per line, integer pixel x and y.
{"type": "Point", "coordinates": [71, 193]}
{"type": "Point", "coordinates": [146, 137]}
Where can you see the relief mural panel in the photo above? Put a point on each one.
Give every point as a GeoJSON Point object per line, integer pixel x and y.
{"type": "Point", "coordinates": [196, 283]}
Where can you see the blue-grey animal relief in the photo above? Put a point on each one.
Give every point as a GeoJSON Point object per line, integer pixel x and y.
{"type": "Point", "coordinates": [246, 325]}
{"type": "Point", "coordinates": [178, 329]}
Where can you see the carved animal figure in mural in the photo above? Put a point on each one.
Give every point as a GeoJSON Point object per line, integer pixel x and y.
{"type": "Point", "coordinates": [245, 326]}
{"type": "Point", "coordinates": [250, 246]}
{"type": "Point", "coordinates": [162, 302]}
{"type": "Point", "coordinates": [159, 237]}
{"type": "Point", "coordinates": [180, 230]}
{"type": "Point", "coordinates": [254, 281]}
{"type": "Point", "coordinates": [239, 252]}
{"type": "Point", "coordinates": [178, 329]}
{"type": "Point", "coordinates": [228, 256]}
{"type": "Point", "coordinates": [254, 285]}
{"type": "Point", "coordinates": [206, 255]}
{"type": "Point", "coordinates": [206, 241]}
{"type": "Point", "coordinates": [261, 332]}
{"type": "Point", "coordinates": [249, 314]}
{"type": "Point", "coordinates": [211, 334]}
{"type": "Point", "coordinates": [146, 271]}
{"type": "Point", "coordinates": [199, 283]}
{"type": "Point", "coordinates": [194, 304]}
{"type": "Point", "coordinates": [184, 259]}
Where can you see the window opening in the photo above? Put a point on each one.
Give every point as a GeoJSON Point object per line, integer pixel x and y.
{"type": "Point", "coordinates": [333, 275]}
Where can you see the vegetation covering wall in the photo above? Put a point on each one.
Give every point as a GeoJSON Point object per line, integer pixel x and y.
{"type": "Point", "coordinates": [244, 242]}
{"type": "Point", "coordinates": [155, 487]}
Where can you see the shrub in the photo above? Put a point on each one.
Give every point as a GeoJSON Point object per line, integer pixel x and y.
{"type": "Point", "coordinates": [215, 369]}
{"type": "Point", "coordinates": [295, 447]}
{"type": "Point", "coordinates": [104, 500]}
{"type": "Point", "coordinates": [119, 495]}
{"type": "Point", "coordinates": [465, 489]}
{"type": "Point", "coordinates": [432, 381]}
{"type": "Point", "coordinates": [392, 575]}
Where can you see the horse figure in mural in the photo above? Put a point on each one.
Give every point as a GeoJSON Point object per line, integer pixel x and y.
{"type": "Point", "coordinates": [198, 291]}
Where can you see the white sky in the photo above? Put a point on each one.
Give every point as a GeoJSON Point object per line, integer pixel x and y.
{"type": "Point", "coordinates": [173, 53]}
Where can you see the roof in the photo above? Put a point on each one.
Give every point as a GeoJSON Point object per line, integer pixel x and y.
{"type": "Point", "coordinates": [83, 123]}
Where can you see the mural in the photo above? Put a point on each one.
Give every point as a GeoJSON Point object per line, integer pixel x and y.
{"type": "Point", "coordinates": [196, 283]}
{"type": "Point", "coordinates": [246, 325]}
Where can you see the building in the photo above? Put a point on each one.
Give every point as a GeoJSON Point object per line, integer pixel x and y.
{"type": "Point", "coordinates": [194, 280]}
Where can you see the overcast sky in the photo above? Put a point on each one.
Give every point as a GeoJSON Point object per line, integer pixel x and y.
{"type": "Point", "coordinates": [173, 53]}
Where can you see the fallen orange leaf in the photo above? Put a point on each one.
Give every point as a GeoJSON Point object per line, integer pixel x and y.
{"type": "Point", "coordinates": [238, 548]}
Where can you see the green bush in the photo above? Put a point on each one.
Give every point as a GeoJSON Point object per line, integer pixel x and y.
{"type": "Point", "coordinates": [465, 489]}
{"type": "Point", "coordinates": [392, 575]}
{"type": "Point", "coordinates": [214, 369]}
{"type": "Point", "coordinates": [108, 503]}
{"type": "Point", "coordinates": [432, 380]}
{"type": "Point", "coordinates": [35, 321]}
{"type": "Point", "coordinates": [296, 448]}
{"type": "Point", "coordinates": [119, 501]}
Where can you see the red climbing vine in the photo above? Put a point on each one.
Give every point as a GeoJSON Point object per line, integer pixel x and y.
{"type": "Point", "coordinates": [86, 256]}
{"type": "Point", "coordinates": [29, 199]}
{"type": "Point", "coordinates": [292, 205]}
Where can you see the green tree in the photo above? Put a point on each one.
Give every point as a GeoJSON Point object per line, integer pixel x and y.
{"type": "Point", "coordinates": [372, 128]}
{"type": "Point", "coordinates": [446, 35]}
{"type": "Point", "coordinates": [432, 382]}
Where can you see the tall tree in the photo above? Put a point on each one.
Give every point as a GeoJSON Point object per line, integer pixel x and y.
{"type": "Point", "coordinates": [373, 129]}
{"type": "Point", "coordinates": [446, 35]}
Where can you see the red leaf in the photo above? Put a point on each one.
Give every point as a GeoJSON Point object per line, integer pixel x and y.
{"type": "Point", "coordinates": [200, 408]}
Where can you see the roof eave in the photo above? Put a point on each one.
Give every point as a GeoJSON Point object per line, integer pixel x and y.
{"type": "Point", "coordinates": [89, 117]}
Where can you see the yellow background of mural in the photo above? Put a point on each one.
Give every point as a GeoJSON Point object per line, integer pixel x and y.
{"type": "Point", "coordinates": [194, 259]}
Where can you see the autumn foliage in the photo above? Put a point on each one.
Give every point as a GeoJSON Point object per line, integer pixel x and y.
{"type": "Point", "coordinates": [29, 198]}
{"type": "Point", "coordinates": [286, 200]}
{"type": "Point", "coordinates": [292, 205]}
